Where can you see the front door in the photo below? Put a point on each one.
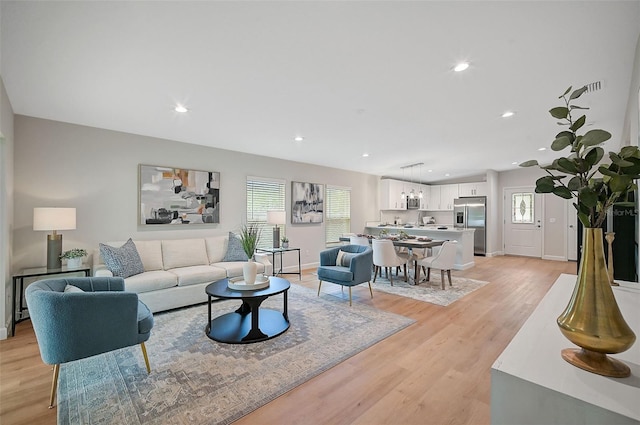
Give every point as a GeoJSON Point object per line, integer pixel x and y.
{"type": "Point", "coordinates": [522, 222]}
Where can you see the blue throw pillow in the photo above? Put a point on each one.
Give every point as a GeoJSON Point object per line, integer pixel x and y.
{"type": "Point", "coordinates": [124, 261]}
{"type": "Point", "coordinates": [234, 249]}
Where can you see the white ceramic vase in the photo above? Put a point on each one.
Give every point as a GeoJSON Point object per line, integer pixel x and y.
{"type": "Point", "coordinates": [249, 271]}
{"type": "Point", "coordinates": [74, 263]}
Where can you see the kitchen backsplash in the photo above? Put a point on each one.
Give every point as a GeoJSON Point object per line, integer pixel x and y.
{"type": "Point", "coordinates": [413, 217]}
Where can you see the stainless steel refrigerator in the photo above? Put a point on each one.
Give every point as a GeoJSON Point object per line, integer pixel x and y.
{"type": "Point", "coordinates": [471, 213]}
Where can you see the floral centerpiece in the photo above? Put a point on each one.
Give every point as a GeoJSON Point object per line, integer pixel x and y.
{"type": "Point", "coordinates": [592, 319]}
{"type": "Point", "coordinates": [285, 242]}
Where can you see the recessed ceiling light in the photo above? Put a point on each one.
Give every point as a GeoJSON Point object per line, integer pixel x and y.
{"type": "Point", "coordinates": [461, 66]}
{"type": "Point", "coordinates": [298, 138]}
{"type": "Point", "coordinates": [508, 114]}
{"type": "Point", "coordinates": [447, 175]}
{"type": "Point", "coordinates": [180, 108]}
{"type": "Point", "coordinates": [365, 155]}
{"type": "Point", "coordinates": [542, 149]}
{"type": "Point", "coordinates": [430, 171]}
{"type": "Point", "coordinates": [514, 163]}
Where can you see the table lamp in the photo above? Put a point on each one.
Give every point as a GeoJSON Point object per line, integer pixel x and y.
{"type": "Point", "coordinates": [54, 219]}
{"type": "Point", "coordinates": [276, 218]}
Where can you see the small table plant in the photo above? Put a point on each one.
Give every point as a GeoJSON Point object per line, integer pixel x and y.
{"type": "Point", "coordinates": [74, 257]}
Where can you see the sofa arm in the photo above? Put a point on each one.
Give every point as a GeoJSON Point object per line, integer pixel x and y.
{"type": "Point", "coordinates": [264, 259]}
{"type": "Point", "coordinates": [361, 265]}
{"type": "Point", "coordinates": [102, 271]}
{"type": "Point", "coordinates": [328, 256]}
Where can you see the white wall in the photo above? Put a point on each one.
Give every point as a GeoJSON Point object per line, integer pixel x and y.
{"type": "Point", "coordinates": [6, 207]}
{"type": "Point", "coordinates": [96, 171]}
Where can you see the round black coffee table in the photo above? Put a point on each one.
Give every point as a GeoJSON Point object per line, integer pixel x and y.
{"type": "Point", "coordinates": [249, 323]}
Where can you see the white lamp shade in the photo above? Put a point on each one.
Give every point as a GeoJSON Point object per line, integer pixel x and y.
{"type": "Point", "coordinates": [54, 218]}
{"type": "Point", "coordinates": [276, 217]}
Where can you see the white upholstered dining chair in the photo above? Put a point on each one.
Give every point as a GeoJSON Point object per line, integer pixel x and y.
{"type": "Point", "coordinates": [443, 260]}
{"type": "Point", "coordinates": [385, 255]}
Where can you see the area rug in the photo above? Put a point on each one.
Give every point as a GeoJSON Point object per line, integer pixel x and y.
{"type": "Point", "coordinates": [431, 291]}
{"type": "Point", "coordinates": [197, 380]}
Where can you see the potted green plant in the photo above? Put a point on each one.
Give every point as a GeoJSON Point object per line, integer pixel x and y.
{"type": "Point", "coordinates": [249, 238]}
{"type": "Point", "coordinates": [595, 187]}
{"type": "Point", "coordinates": [74, 257]}
{"type": "Point", "coordinates": [285, 242]}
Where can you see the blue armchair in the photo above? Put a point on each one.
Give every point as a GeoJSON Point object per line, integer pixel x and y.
{"type": "Point", "coordinates": [76, 324]}
{"type": "Point", "coordinates": [355, 268]}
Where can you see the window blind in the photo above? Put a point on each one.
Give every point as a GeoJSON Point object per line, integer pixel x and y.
{"type": "Point", "coordinates": [264, 194]}
{"type": "Point", "coordinates": [338, 213]}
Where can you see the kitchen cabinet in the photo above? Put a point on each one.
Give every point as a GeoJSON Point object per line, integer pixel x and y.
{"type": "Point", "coordinates": [389, 195]}
{"type": "Point", "coordinates": [448, 192]}
{"type": "Point", "coordinates": [473, 189]}
{"type": "Point", "coordinates": [426, 194]}
{"type": "Point", "coordinates": [441, 197]}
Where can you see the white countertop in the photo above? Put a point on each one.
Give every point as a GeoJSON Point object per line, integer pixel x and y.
{"type": "Point", "coordinates": [429, 228]}
{"type": "Point", "coordinates": [533, 356]}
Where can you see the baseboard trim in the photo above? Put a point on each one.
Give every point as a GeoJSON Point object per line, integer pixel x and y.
{"type": "Point", "coordinates": [4, 332]}
{"type": "Point", "coordinates": [554, 258]}
{"type": "Point", "coordinates": [494, 254]}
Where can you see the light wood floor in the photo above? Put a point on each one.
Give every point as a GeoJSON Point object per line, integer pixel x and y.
{"type": "Point", "coordinates": [436, 371]}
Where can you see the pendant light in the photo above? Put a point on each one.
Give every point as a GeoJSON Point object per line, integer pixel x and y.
{"type": "Point", "coordinates": [402, 194]}
{"type": "Point", "coordinates": [420, 195]}
{"type": "Point", "coordinates": [412, 193]}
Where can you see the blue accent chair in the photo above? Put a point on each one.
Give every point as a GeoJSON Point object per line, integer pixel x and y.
{"type": "Point", "coordinates": [357, 260]}
{"type": "Point", "coordinates": [74, 325]}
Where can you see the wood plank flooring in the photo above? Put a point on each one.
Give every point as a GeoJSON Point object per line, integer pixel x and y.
{"type": "Point", "coordinates": [436, 371]}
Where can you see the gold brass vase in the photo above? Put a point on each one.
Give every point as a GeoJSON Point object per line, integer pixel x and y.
{"type": "Point", "coordinates": [592, 319]}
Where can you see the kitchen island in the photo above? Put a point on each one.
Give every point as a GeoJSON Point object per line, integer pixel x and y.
{"type": "Point", "coordinates": [464, 237]}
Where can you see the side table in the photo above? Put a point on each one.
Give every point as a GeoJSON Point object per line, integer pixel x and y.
{"type": "Point", "coordinates": [273, 252]}
{"type": "Point", "coordinates": [19, 307]}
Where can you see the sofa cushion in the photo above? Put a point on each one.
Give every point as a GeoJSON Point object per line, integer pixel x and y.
{"type": "Point", "coordinates": [335, 273]}
{"type": "Point", "coordinates": [151, 254]}
{"type": "Point", "coordinates": [194, 275]}
{"type": "Point", "coordinates": [235, 252]}
{"type": "Point", "coordinates": [184, 253]}
{"type": "Point", "coordinates": [123, 261]}
{"type": "Point", "coordinates": [150, 281]}
{"type": "Point", "coordinates": [216, 248]}
{"type": "Point", "coordinates": [234, 268]}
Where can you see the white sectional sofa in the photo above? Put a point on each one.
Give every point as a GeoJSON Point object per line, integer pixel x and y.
{"type": "Point", "coordinates": [176, 271]}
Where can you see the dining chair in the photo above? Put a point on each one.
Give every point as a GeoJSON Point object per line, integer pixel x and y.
{"type": "Point", "coordinates": [443, 260]}
{"type": "Point", "coordinates": [385, 255]}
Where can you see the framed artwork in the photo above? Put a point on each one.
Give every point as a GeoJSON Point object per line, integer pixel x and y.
{"type": "Point", "coordinates": [177, 196]}
{"type": "Point", "coordinates": [307, 202]}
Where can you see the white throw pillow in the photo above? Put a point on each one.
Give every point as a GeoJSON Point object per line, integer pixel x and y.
{"type": "Point", "coordinates": [71, 288]}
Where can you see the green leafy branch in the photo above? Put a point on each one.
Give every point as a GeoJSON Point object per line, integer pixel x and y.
{"type": "Point", "coordinates": [596, 189]}
{"type": "Point", "coordinates": [249, 237]}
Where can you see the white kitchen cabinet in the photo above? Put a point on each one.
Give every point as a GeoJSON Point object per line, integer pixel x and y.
{"type": "Point", "coordinates": [433, 203]}
{"type": "Point", "coordinates": [473, 189]}
{"type": "Point", "coordinates": [448, 192]}
{"type": "Point", "coordinates": [426, 194]}
{"type": "Point", "coordinates": [389, 195]}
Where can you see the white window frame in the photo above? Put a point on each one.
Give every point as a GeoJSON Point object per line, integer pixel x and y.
{"type": "Point", "coordinates": [336, 226]}
{"type": "Point", "coordinates": [256, 209]}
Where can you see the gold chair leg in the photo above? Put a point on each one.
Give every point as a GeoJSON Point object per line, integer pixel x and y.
{"type": "Point", "coordinates": [319, 285]}
{"type": "Point", "coordinates": [349, 296]}
{"type": "Point", "coordinates": [146, 358]}
{"type": "Point", "coordinates": [370, 290]}
{"type": "Point", "coordinates": [54, 385]}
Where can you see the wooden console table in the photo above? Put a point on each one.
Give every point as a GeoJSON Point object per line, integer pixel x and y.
{"type": "Point", "coordinates": [532, 384]}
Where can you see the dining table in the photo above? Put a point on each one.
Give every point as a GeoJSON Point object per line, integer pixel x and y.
{"type": "Point", "coordinates": [410, 244]}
